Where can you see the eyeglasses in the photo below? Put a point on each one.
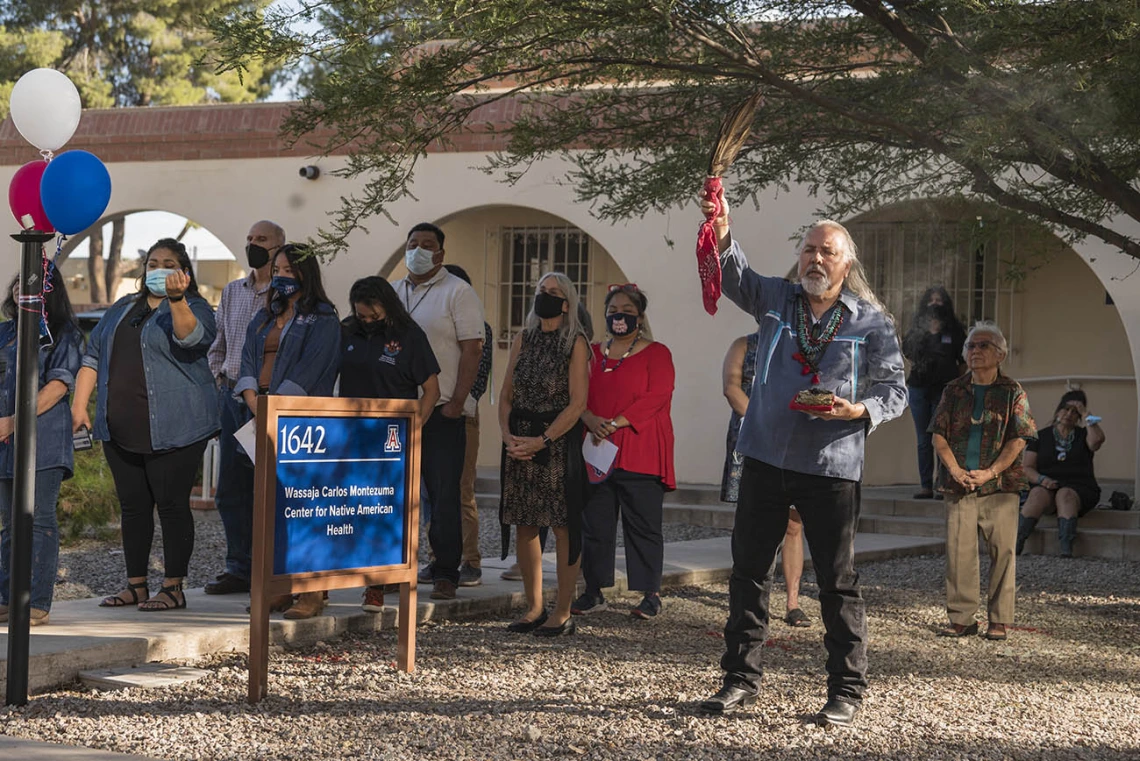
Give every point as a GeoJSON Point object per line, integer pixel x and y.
{"type": "Point", "coordinates": [623, 287]}
{"type": "Point", "coordinates": [979, 345]}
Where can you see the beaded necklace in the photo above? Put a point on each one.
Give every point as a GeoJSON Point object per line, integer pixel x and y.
{"type": "Point", "coordinates": [606, 353]}
{"type": "Point", "coordinates": [1063, 443]}
{"type": "Point", "coordinates": [812, 348]}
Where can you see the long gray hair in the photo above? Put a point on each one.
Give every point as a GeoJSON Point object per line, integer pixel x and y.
{"type": "Point", "coordinates": [856, 281]}
{"type": "Point", "coordinates": [571, 324]}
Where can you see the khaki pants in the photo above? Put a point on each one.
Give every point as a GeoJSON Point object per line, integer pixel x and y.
{"type": "Point", "coordinates": [469, 511]}
{"type": "Point", "coordinates": [996, 517]}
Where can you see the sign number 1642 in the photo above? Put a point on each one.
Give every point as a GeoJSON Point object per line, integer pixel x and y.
{"type": "Point", "coordinates": [295, 439]}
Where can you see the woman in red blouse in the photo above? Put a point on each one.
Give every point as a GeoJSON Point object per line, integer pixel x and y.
{"type": "Point", "coordinates": [631, 388]}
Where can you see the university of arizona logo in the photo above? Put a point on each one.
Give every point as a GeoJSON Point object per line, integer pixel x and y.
{"type": "Point", "coordinates": [391, 349]}
{"type": "Point", "coordinates": [393, 442]}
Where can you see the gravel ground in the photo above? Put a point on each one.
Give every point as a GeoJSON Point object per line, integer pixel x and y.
{"type": "Point", "coordinates": [1064, 686]}
{"type": "Point", "coordinates": [95, 569]}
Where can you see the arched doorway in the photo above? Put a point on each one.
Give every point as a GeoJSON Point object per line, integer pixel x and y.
{"type": "Point", "coordinates": [1063, 330]}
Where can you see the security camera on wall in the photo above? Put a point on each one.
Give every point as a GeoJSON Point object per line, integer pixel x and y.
{"type": "Point", "coordinates": [310, 172]}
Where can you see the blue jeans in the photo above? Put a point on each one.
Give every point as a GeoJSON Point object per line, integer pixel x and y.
{"type": "Point", "coordinates": [234, 495]}
{"type": "Point", "coordinates": [45, 537]}
{"type": "Point", "coordinates": [923, 402]}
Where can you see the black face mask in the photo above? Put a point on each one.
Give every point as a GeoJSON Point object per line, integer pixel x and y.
{"type": "Point", "coordinates": [256, 255]}
{"type": "Point", "coordinates": [620, 324]}
{"type": "Point", "coordinates": [372, 328]}
{"type": "Point", "coordinates": [546, 306]}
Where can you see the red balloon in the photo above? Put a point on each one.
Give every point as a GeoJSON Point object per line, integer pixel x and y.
{"type": "Point", "coordinates": [24, 196]}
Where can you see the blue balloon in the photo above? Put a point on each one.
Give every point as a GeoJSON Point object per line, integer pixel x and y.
{"type": "Point", "coordinates": [75, 191]}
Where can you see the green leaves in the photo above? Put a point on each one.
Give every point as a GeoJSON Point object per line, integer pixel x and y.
{"type": "Point", "coordinates": [1029, 105]}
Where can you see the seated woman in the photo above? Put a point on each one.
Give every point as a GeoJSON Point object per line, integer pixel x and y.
{"type": "Point", "coordinates": [1059, 466]}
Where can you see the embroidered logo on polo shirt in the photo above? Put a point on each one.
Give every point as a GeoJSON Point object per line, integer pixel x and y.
{"type": "Point", "coordinates": [391, 349]}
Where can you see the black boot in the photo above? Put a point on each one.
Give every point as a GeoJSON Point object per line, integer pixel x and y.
{"type": "Point", "coordinates": [1066, 533]}
{"type": "Point", "coordinates": [1025, 527]}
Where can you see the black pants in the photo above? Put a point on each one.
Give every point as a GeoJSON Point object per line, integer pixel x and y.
{"type": "Point", "coordinates": [829, 508]}
{"type": "Point", "coordinates": [638, 497]}
{"type": "Point", "coordinates": [442, 450]}
{"type": "Point", "coordinates": [144, 481]}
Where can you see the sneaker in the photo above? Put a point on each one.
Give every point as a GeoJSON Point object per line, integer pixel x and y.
{"type": "Point", "coordinates": [228, 584]}
{"type": "Point", "coordinates": [444, 590]}
{"type": "Point", "coordinates": [37, 617]}
{"type": "Point", "coordinates": [373, 600]}
{"type": "Point", "coordinates": [470, 576]}
{"type": "Point", "coordinates": [512, 574]}
{"type": "Point", "coordinates": [588, 604]}
{"type": "Point", "coordinates": [649, 606]}
{"type": "Point", "coordinates": [425, 574]}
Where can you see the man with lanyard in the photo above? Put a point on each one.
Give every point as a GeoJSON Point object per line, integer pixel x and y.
{"type": "Point", "coordinates": [450, 313]}
{"type": "Point", "coordinates": [234, 495]}
{"type": "Point", "coordinates": [826, 331]}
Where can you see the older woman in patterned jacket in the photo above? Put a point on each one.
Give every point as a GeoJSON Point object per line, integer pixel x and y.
{"type": "Point", "coordinates": [979, 430]}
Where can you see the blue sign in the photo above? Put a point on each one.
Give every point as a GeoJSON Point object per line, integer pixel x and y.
{"type": "Point", "coordinates": [342, 491]}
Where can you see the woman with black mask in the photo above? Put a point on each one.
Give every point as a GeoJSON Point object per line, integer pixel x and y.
{"type": "Point", "coordinates": [384, 354]}
{"type": "Point", "coordinates": [934, 347]}
{"type": "Point", "coordinates": [544, 479]}
{"type": "Point", "coordinates": [292, 348]}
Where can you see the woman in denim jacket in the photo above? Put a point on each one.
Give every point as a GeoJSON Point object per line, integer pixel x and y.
{"type": "Point", "coordinates": [156, 408]}
{"type": "Point", "coordinates": [292, 348]}
{"type": "Point", "coordinates": [59, 362]}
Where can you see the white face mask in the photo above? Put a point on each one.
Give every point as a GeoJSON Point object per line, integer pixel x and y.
{"type": "Point", "coordinates": [419, 260]}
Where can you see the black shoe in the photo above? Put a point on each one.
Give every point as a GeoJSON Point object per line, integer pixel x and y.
{"type": "Point", "coordinates": [525, 627]}
{"type": "Point", "coordinates": [228, 584]}
{"type": "Point", "coordinates": [841, 713]}
{"type": "Point", "coordinates": [587, 604]}
{"type": "Point", "coordinates": [424, 576]}
{"type": "Point", "coordinates": [470, 576]}
{"type": "Point", "coordinates": [648, 608]}
{"type": "Point", "coordinates": [569, 626]}
{"type": "Point", "coordinates": [729, 699]}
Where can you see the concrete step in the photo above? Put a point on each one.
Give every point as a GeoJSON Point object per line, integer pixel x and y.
{"type": "Point", "coordinates": [932, 508]}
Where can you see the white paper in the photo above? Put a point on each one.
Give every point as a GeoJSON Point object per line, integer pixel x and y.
{"type": "Point", "coordinates": [600, 455]}
{"type": "Point", "coordinates": [247, 439]}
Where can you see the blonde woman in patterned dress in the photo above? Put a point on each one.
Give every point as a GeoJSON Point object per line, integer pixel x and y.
{"type": "Point", "coordinates": [543, 476]}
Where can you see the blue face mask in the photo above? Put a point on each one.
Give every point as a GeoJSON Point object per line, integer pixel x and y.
{"type": "Point", "coordinates": [285, 286]}
{"type": "Point", "coordinates": [156, 281]}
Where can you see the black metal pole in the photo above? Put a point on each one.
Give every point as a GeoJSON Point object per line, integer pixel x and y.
{"type": "Point", "coordinates": [24, 488]}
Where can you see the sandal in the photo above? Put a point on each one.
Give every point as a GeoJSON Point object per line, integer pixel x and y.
{"type": "Point", "coordinates": [797, 618]}
{"type": "Point", "coordinates": [959, 630]}
{"type": "Point", "coordinates": [169, 602]}
{"type": "Point", "coordinates": [115, 601]}
{"type": "Point", "coordinates": [997, 633]}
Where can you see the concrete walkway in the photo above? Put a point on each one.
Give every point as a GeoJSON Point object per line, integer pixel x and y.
{"type": "Point", "coordinates": [83, 636]}
{"type": "Point", "coordinates": [13, 749]}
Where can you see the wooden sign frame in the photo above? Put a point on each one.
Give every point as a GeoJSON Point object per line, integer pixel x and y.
{"type": "Point", "coordinates": [265, 584]}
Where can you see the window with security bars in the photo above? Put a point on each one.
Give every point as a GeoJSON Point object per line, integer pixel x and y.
{"type": "Point", "coordinates": [528, 253]}
{"type": "Point", "coordinates": [972, 259]}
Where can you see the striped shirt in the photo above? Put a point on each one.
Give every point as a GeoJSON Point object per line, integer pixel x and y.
{"type": "Point", "coordinates": [238, 305]}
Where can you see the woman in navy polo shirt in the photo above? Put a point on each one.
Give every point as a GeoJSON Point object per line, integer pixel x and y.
{"type": "Point", "coordinates": [385, 355]}
{"type": "Point", "coordinates": [59, 362]}
{"type": "Point", "coordinates": [156, 408]}
{"type": "Point", "coordinates": [292, 348]}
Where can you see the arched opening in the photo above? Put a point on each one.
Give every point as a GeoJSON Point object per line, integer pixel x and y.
{"type": "Point", "coordinates": [103, 263]}
{"type": "Point", "coordinates": [504, 250]}
{"type": "Point", "coordinates": [1063, 330]}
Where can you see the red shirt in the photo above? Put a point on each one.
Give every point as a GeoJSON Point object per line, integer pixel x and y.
{"type": "Point", "coordinates": [641, 390]}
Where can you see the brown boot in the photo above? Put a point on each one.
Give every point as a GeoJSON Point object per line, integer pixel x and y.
{"type": "Point", "coordinates": [308, 605]}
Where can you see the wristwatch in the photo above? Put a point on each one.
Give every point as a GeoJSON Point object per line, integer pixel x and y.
{"type": "Point", "coordinates": [1092, 419]}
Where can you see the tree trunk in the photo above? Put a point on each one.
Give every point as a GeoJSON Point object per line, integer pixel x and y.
{"type": "Point", "coordinates": [95, 268]}
{"type": "Point", "coordinates": [115, 256]}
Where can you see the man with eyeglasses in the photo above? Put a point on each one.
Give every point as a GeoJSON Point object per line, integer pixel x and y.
{"type": "Point", "coordinates": [827, 333]}
{"type": "Point", "coordinates": [234, 495]}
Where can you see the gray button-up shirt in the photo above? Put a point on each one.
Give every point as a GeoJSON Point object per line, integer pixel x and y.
{"type": "Point", "coordinates": [863, 364]}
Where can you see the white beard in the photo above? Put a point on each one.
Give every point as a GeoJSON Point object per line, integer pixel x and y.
{"type": "Point", "coordinates": [816, 287]}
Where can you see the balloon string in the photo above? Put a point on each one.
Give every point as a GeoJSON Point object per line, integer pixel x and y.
{"type": "Point", "coordinates": [47, 155]}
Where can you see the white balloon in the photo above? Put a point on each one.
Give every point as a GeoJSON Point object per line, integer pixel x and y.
{"type": "Point", "coordinates": [45, 108]}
